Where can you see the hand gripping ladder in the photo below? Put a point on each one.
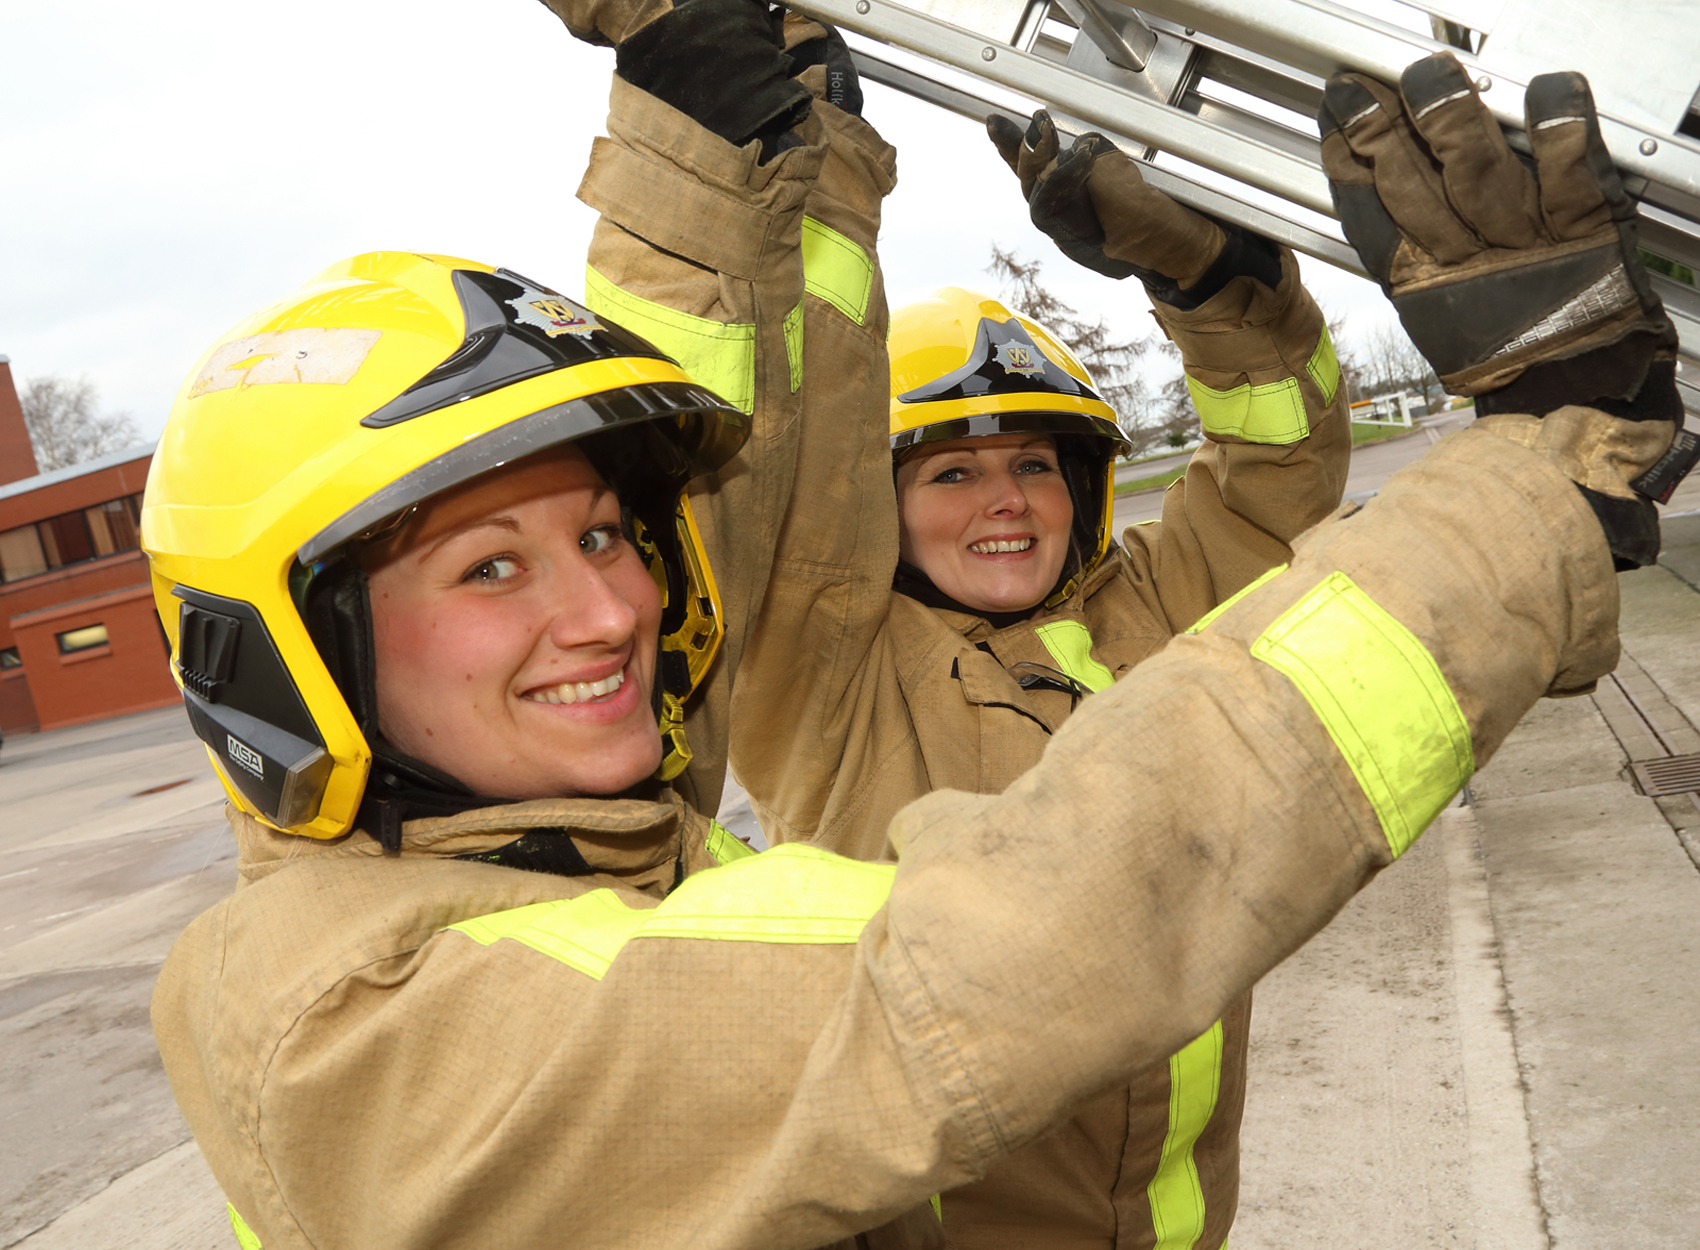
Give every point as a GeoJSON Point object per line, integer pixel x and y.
{"type": "Point", "coordinates": [1224, 93]}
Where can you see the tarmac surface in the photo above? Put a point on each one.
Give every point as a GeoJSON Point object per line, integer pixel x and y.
{"type": "Point", "coordinates": [1493, 1047]}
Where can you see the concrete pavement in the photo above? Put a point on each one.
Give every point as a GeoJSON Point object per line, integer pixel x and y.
{"type": "Point", "coordinates": [1492, 1047]}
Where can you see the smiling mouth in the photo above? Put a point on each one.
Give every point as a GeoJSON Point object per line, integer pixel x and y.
{"type": "Point", "coordinates": [999, 546]}
{"type": "Point", "coordinates": [577, 691]}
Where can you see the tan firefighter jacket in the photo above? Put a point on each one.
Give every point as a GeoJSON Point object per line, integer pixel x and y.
{"type": "Point", "coordinates": [854, 700]}
{"type": "Point", "coordinates": [424, 1050]}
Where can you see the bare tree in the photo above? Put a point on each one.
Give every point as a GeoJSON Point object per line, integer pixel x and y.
{"type": "Point", "coordinates": [1115, 363]}
{"type": "Point", "coordinates": [66, 426]}
{"type": "Point", "coordinates": [1393, 363]}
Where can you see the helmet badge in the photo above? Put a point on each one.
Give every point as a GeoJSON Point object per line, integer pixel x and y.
{"type": "Point", "coordinates": [551, 313]}
{"type": "Point", "coordinates": [1018, 357]}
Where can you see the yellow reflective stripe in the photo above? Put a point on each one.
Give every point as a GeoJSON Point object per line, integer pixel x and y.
{"type": "Point", "coordinates": [836, 270]}
{"type": "Point", "coordinates": [1203, 622]}
{"type": "Point", "coordinates": [1070, 644]}
{"type": "Point", "coordinates": [719, 355]}
{"type": "Point", "coordinates": [724, 846]}
{"type": "Point", "coordinates": [1175, 1193]}
{"type": "Point", "coordinates": [794, 345]}
{"type": "Point", "coordinates": [1273, 412]}
{"type": "Point", "coordinates": [245, 1237]}
{"type": "Point", "coordinates": [792, 894]}
{"type": "Point", "coordinates": [938, 1208]}
{"type": "Point", "coordinates": [1324, 367]}
{"type": "Point", "coordinates": [1382, 699]}
{"type": "Point", "coordinates": [584, 932]}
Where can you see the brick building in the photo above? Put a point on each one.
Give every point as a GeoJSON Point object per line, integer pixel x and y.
{"type": "Point", "coordinates": [78, 637]}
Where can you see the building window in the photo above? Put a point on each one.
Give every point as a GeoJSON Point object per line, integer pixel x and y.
{"type": "Point", "coordinates": [113, 525]}
{"type": "Point", "coordinates": [21, 554]}
{"type": "Point", "coordinates": [71, 538]}
{"type": "Point", "coordinates": [9, 658]}
{"type": "Point", "coordinates": [88, 636]}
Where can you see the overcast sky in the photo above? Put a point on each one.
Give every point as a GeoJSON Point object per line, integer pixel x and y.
{"type": "Point", "coordinates": [167, 169]}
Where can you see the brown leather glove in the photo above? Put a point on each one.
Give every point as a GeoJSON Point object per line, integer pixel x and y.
{"type": "Point", "coordinates": [1521, 287]}
{"type": "Point", "coordinates": [1094, 204]}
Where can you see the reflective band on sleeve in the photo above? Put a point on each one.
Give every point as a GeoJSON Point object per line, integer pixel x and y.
{"type": "Point", "coordinates": [793, 894]}
{"type": "Point", "coordinates": [1070, 644]}
{"type": "Point", "coordinates": [1175, 1193]}
{"type": "Point", "coordinates": [1324, 367]}
{"type": "Point", "coordinates": [794, 345]}
{"type": "Point", "coordinates": [1382, 699]}
{"type": "Point", "coordinates": [720, 356]}
{"type": "Point", "coordinates": [1273, 412]}
{"type": "Point", "coordinates": [245, 1237]}
{"type": "Point", "coordinates": [1203, 622]}
{"type": "Point", "coordinates": [724, 846]}
{"type": "Point", "coordinates": [836, 270]}
{"type": "Point", "coordinates": [938, 1208]}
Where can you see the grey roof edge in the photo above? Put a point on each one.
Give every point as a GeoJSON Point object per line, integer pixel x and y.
{"type": "Point", "coordinates": [40, 480]}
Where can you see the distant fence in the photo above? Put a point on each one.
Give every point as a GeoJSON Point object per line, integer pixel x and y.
{"type": "Point", "coordinates": [1393, 409]}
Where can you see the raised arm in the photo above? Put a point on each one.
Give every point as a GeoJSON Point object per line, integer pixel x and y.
{"type": "Point", "coordinates": [1258, 360]}
{"type": "Point", "coordinates": [701, 248]}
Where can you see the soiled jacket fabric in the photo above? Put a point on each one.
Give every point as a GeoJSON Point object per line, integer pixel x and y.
{"type": "Point", "coordinates": [855, 701]}
{"type": "Point", "coordinates": [425, 1051]}
{"type": "Point", "coordinates": [796, 1049]}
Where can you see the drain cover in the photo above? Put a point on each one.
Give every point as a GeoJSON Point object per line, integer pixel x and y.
{"type": "Point", "coordinates": [1675, 774]}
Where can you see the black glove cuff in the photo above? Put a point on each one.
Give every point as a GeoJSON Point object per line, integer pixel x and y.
{"type": "Point", "coordinates": [1622, 379]}
{"type": "Point", "coordinates": [843, 86]}
{"type": "Point", "coordinates": [720, 63]}
{"type": "Point", "coordinates": [1631, 527]}
{"type": "Point", "coordinates": [1243, 253]}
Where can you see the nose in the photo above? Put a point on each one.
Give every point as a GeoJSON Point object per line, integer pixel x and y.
{"type": "Point", "coordinates": [593, 607]}
{"type": "Point", "coordinates": [1004, 496]}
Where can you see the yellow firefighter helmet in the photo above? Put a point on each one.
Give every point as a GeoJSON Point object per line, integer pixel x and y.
{"type": "Point", "coordinates": [317, 423]}
{"type": "Point", "coordinates": [964, 365]}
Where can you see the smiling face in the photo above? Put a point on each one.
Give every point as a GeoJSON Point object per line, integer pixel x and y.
{"type": "Point", "coordinates": [987, 519]}
{"type": "Point", "coordinates": [516, 634]}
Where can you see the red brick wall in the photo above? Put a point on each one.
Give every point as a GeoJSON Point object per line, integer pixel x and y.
{"type": "Point", "coordinates": [127, 674]}
{"type": "Point", "coordinates": [17, 708]}
{"type": "Point", "coordinates": [17, 457]}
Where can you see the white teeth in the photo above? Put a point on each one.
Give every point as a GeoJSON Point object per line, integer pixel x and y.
{"type": "Point", "coordinates": [578, 691]}
{"type": "Point", "coordinates": [992, 548]}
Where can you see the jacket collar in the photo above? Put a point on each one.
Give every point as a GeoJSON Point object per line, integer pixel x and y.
{"type": "Point", "coordinates": [636, 840]}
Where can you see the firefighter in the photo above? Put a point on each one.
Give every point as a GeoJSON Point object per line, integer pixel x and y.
{"type": "Point", "coordinates": [477, 994]}
{"type": "Point", "coordinates": [1010, 601]}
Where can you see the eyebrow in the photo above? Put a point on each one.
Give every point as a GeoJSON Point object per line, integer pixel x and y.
{"type": "Point", "coordinates": [501, 521]}
{"type": "Point", "coordinates": [477, 523]}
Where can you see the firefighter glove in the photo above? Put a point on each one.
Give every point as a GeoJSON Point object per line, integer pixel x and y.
{"type": "Point", "coordinates": [1520, 283]}
{"type": "Point", "coordinates": [1101, 213]}
{"type": "Point", "coordinates": [721, 63]}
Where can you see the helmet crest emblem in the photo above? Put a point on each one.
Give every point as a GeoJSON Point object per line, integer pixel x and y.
{"type": "Point", "coordinates": [1018, 357]}
{"type": "Point", "coordinates": [551, 313]}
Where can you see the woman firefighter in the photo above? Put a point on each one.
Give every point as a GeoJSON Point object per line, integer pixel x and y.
{"type": "Point", "coordinates": [1009, 602]}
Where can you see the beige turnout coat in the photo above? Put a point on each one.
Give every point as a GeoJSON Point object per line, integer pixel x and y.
{"type": "Point", "coordinates": [795, 1049]}
{"type": "Point", "coordinates": [856, 700]}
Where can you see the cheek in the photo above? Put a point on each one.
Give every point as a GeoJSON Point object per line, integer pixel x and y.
{"type": "Point", "coordinates": [1054, 505]}
{"type": "Point", "coordinates": [630, 580]}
